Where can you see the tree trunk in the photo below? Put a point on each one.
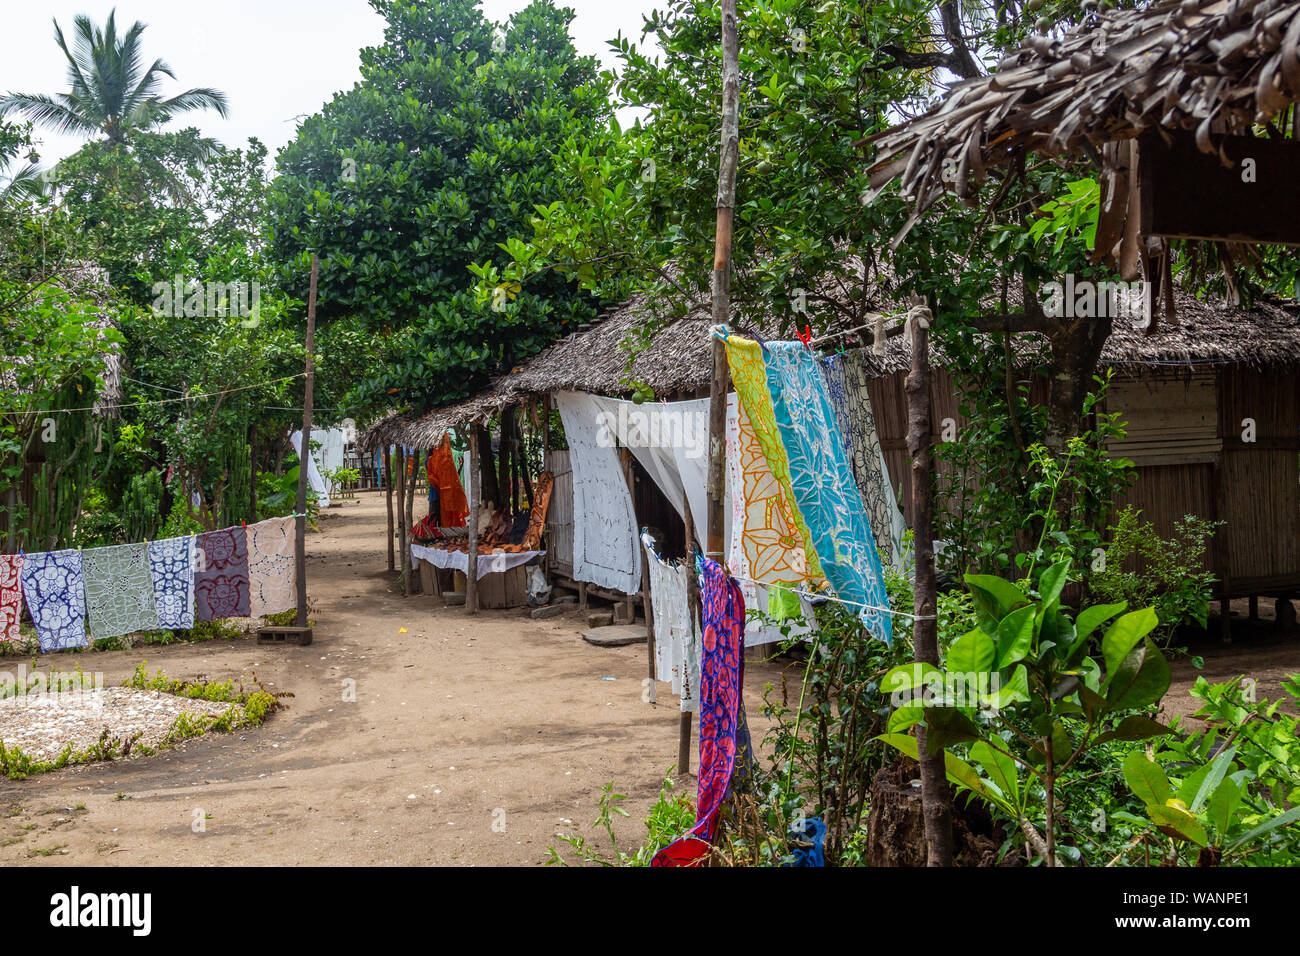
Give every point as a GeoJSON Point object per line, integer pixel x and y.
{"type": "Point", "coordinates": [387, 482]}
{"type": "Point", "coordinates": [936, 798]}
{"type": "Point", "coordinates": [488, 488]}
{"type": "Point", "coordinates": [1076, 347]}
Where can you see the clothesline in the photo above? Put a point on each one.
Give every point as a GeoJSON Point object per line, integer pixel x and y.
{"type": "Point", "coordinates": [813, 595]}
{"type": "Point", "coordinates": [169, 401]}
{"type": "Point", "coordinates": [242, 524]}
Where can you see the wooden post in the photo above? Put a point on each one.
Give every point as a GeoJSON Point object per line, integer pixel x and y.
{"type": "Point", "coordinates": [403, 556]}
{"type": "Point", "coordinates": [721, 286]}
{"type": "Point", "coordinates": [386, 479]}
{"type": "Point", "coordinates": [412, 580]}
{"type": "Point", "coordinates": [304, 448]}
{"type": "Point", "coordinates": [471, 569]}
{"type": "Point", "coordinates": [936, 799]}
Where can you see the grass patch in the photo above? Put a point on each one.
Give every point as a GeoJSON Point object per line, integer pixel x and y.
{"type": "Point", "coordinates": [248, 707]}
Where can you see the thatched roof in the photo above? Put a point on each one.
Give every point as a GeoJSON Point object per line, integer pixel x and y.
{"type": "Point", "coordinates": [591, 360]}
{"type": "Point", "coordinates": [679, 359]}
{"type": "Point", "coordinates": [1212, 66]}
{"type": "Point", "coordinates": [1264, 337]}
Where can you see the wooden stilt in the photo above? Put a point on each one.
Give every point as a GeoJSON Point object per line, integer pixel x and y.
{"type": "Point", "coordinates": [471, 574]}
{"type": "Point", "coordinates": [387, 455]}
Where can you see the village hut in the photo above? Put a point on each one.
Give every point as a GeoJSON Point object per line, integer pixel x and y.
{"type": "Point", "coordinates": [1212, 412]}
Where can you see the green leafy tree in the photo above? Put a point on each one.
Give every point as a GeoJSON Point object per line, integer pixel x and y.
{"type": "Point", "coordinates": [438, 155]}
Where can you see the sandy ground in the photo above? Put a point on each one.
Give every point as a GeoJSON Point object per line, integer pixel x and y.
{"type": "Point", "coordinates": [459, 724]}
{"type": "Point", "coordinates": [470, 742]}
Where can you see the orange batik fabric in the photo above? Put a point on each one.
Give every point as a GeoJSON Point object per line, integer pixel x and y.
{"type": "Point", "coordinates": [441, 469]}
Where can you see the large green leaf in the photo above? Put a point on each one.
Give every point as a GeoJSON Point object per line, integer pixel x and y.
{"type": "Point", "coordinates": [1174, 820]}
{"type": "Point", "coordinates": [1052, 582]}
{"type": "Point", "coordinates": [995, 595]}
{"type": "Point", "coordinates": [1122, 636]}
{"type": "Point", "coordinates": [1142, 678]}
{"type": "Point", "coordinates": [1015, 690]}
{"type": "Point", "coordinates": [1221, 809]}
{"type": "Point", "coordinates": [972, 653]}
{"type": "Point", "coordinates": [1000, 768]}
{"type": "Point", "coordinates": [1197, 787]}
{"type": "Point", "coordinates": [1015, 635]}
{"type": "Point", "coordinates": [1146, 779]}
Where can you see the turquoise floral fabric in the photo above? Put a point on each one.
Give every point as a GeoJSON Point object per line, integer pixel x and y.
{"type": "Point", "coordinates": [824, 487]}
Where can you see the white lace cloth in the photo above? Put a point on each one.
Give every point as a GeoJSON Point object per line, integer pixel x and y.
{"type": "Point", "coordinates": [677, 643]}
{"type": "Point", "coordinates": [606, 545]}
{"type": "Point", "coordinates": [459, 560]}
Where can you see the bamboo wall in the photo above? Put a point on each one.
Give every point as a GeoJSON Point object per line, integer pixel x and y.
{"type": "Point", "coordinates": [1185, 438]}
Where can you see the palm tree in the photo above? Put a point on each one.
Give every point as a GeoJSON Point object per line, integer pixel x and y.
{"type": "Point", "coordinates": [110, 91]}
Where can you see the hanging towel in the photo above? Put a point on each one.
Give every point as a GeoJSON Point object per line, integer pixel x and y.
{"type": "Point", "coordinates": [440, 468]}
{"type": "Point", "coordinates": [171, 568]}
{"type": "Point", "coordinates": [221, 574]}
{"type": "Point", "coordinates": [119, 590]}
{"type": "Point", "coordinates": [11, 597]}
{"type": "Point", "coordinates": [55, 592]}
{"type": "Point", "coordinates": [777, 539]}
{"type": "Point", "coordinates": [823, 484]}
{"type": "Point", "coordinates": [722, 730]}
{"type": "Point", "coordinates": [272, 571]}
{"type": "Point", "coordinates": [677, 642]}
{"type": "Point", "coordinates": [606, 542]}
{"type": "Point", "coordinates": [847, 382]}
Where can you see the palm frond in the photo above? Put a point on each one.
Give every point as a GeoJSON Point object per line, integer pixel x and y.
{"type": "Point", "coordinates": [45, 111]}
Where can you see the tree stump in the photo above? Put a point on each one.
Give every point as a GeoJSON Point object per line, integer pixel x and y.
{"type": "Point", "coordinates": [896, 827]}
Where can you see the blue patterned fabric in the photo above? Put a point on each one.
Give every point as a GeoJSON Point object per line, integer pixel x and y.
{"type": "Point", "coordinates": [813, 831]}
{"type": "Point", "coordinates": [838, 392]}
{"type": "Point", "coordinates": [823, 484]}
{"type": "Point", "coordinates": [55, 592]}
{"type": "Point", "coordinates": [171, 565]}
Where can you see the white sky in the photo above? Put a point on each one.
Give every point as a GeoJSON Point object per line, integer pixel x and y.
{"type": "Point", "coordinates": [274, 59]}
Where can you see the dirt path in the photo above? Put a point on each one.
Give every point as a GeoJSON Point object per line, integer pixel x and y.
{"type": "Point", "coordinates": [458, 723]}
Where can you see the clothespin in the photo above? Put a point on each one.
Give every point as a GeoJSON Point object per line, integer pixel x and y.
{"type": "Point", "coordinates": [805, 336]}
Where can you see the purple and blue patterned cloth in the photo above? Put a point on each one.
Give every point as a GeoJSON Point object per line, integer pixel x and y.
{"type": "Point", "coordinates": [171, 567]}
{"type": "Point", "coordinates": [724, 738]}
{"type": "Point", "coordinates": [55, 591]}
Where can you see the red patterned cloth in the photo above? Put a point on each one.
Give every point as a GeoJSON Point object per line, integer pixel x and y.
{"type": "Point", "coordinates": [221, 574]}
{"type": "Point", "coordinates": [11, 597]}
{"type": "Point", "coordinates": [722, 681]}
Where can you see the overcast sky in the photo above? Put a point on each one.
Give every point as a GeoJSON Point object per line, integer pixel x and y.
{"type": "Point", "coordinates": [274, 59]}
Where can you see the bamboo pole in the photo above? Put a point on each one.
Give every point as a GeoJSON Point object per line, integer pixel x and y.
{"type": "Point", "coordinates": [721, 285]}
{"type": "Point", "coordinates": [304, 448]}
{"type": "Point", "coordinates": [936, 798]}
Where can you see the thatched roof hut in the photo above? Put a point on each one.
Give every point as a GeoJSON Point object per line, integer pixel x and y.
{"type": "Point", "coordinates": [1208, 66]}
{"type": "Point", "coordinates": [598, 359]}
